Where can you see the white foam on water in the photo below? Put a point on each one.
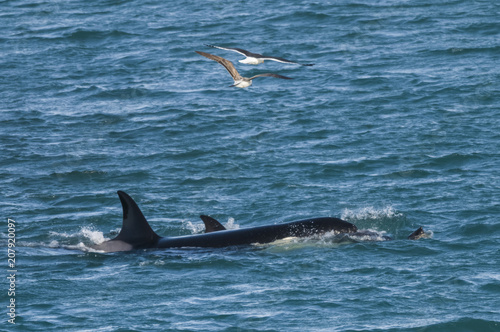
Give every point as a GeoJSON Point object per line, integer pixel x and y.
{"type": "Point", "coordinates": [96, 237]}
{"type": "Point", "coordinates": [197, 228]}
{"type": "Point", "coordinates": [370, 213]}
{"type": "Point", "coordinates": [87, 232]}
{"type": "Point", "coordinates": [231, 224]}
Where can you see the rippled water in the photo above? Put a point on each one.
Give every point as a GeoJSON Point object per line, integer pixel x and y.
{"type": "Point", "coordinates": [395, 127]}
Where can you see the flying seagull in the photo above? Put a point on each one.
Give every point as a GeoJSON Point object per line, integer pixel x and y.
{"type": "Point", "coordinates": [239, 81]}
{"type": "Point", "coordinates": [256, 58]}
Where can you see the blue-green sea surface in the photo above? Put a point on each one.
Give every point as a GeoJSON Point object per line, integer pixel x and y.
{"type": "Point", "coordinates": [396, 126]}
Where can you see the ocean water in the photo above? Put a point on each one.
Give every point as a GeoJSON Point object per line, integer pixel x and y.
{"type": "Point", "coordinates": [396, 126]}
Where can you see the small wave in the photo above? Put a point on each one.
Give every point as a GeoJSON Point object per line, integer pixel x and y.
{"type": "Point", "coordinates": [453, 160]}
{"type": "Point", "coordinates": [479, 229]}
{"type": "Point", "coordinates": [157, 262]}
{"type": "Point", "coordinates": [78, 175]}
{"type": "Point", "coordinates": [481, 28]}
{"type": "Point", "coordinates": [86, 90]}
{"type": "Point", "coordinates": [410, 174]}
{"type": "Point", "coordinates": [467, 50]}
{"type": "Point", "coordinates": [299, 15]}
{"type": "Point", "coordinates": [54, 244]}
{"type": "Point", "coordinates": [126, 93]}
{"type": "Point", "coordinates": [457, 50]}
{"type": "Point", "coordinates": [462, 324]}
{"type": "Point", "coordinates": [97, 35]}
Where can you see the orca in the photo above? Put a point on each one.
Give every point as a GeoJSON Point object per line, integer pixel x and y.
{"type": "Point", "coordinates": [136, 233]}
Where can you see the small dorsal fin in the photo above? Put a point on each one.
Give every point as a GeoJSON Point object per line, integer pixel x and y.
{"type": "Point", "coordinates": [212, 225]}
{"type": "Point", "coordinates": [135, 229]}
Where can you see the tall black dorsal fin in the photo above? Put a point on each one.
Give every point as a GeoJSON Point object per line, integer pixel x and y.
{"type": "Point", "coordinates": [212, 225]}
{"type": "Point", "coordinates": [135, 229]}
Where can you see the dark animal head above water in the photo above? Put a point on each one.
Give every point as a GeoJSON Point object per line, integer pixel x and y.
{"type": "Point", "coordinates": [419, 233]}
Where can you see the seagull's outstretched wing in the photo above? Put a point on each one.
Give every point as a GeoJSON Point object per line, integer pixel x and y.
{"type": "Point", "coordinates": [226, 63]}
{"type": "Point", "coordinates": [234, 49]}
{"type": "Point", "coordinates": [274, 58]}
{"type": "Point", "coordinates": [259, 56]}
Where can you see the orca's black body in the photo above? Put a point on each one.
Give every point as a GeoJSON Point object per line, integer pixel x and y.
{"type": "Point", "coordinates": [137, 234]}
